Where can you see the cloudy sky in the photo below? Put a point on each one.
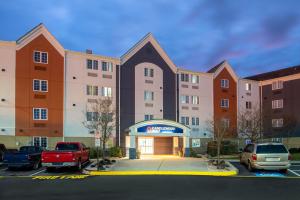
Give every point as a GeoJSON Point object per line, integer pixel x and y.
{"type": "Point", "coordinates": [254, 36]}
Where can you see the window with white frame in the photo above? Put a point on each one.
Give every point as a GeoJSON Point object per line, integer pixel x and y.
{"type": "Point", "coordinates": [184, 77]}
{"type": "Point", "coordinates": [248, 86]}
{"type": "Point", "coordinates": [195, 78]}
{"type": "Point", "coordinates": [195, 100]}
{"type": "Point", "coordinates": [185, 120]}
{"type": "Point", "coordinates": [184, 99]}
{"type": "Point", "coordinates": [226, 122]}
{"type": "Point", "coordinates": [92, 64]}
{"type": "Point", "coordinates": [91, 116]}
{"type": "Point", "coordinates": [40, 57]}
{"type": "Point", "coordinates": [277, 123]}
{"type": "Point", "coordinates": [195, 121]}
{"type": "Point", "coordinates": [224, 103]}
{"type": "Point", "coordinates": [224, 83]}
{"type": "Point", "coordinates": [148, 95]}
{"type": "Point", "coordinates": [106, 91]}
{"type": "Point", "coordinates": [276, 85]}
{"type": "Point", "coordinates": [196, 143]}
{"type": "Point", "coordinates": [40, 141]}
{"type": "Point", "coordinates": [107, 66]}
{"type": "Point", "coordinates": [40, 113]}
{"type": "Point", "coordinates": [248, 105]}
{"type": "Point", "coordinates": [148, 117]}
{"type": "Point", "coordinates": [277, 104]}
{"type": "Point", "coordinates": [92, 90]}
{"type": "Point", "coordinates": [40, 85]}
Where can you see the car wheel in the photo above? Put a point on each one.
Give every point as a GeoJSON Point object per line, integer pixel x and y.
{"type": "Point", "coordinates": [249, 167]}
{"type": "Point", "coordinates": [50, 169]}
{"type": "Point", "coordinates": [79, 166]}
{"type": "Point", "coordinates": [284, 171]}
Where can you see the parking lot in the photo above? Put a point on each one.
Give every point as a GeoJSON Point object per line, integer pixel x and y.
{"type": "Point", "coordinates": [4, 171]}
{"type": "Point", "coordinates": [294, 171]}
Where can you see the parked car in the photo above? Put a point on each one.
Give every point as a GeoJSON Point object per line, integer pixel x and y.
{"type": "Point", "coordinates": [66, 154]}
{"type": "Point", "coordinates": [267, 156]}
{"type": "Point", "coordinates": [2, 151]}
{"type": "Point", "coordinates": [27, 156]}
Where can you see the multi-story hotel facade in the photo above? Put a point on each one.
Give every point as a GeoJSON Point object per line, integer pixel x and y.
{"type": "Point", "coordinates": [160, 108]}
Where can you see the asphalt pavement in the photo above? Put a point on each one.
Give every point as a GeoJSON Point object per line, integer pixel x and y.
{"type": "Point", "coordinates": [150, 187]}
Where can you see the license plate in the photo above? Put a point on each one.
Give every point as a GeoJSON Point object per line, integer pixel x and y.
{"type": "Point", "coordinates": [272, 159]}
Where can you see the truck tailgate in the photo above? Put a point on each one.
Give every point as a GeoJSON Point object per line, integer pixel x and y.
{"type": "Point", "coordinates": [58, 156]}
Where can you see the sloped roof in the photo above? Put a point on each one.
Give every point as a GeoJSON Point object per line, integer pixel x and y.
{"type": "Point", "coordinates": [215, 68]}
{"type": "Point", "coordinates": [276, 74]}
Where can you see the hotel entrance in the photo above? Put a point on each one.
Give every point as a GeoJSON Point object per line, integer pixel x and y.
{"type": "Point", "coordinates": [158, 137]}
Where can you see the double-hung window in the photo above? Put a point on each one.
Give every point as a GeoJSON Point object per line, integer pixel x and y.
{"type": "Point", "coordinates": [184, 99]}
{"type": "Point", "coordinates": [248, 105]}
{"type": "Point", "coordinates": [92, 116]}
{"type": "Point", "coordinates": [195, 121]}
{"type": "Point", "coordinates": [148, 72]}
{"type": "Point", "coordinates": [92, 90]}
{"type": "Point", "coordinates": [148, 117]}
{"type": "Point", "coordinates": [107, 66]}
{"type": "Point", "coordinates": [40, 57]}
{"type": "Point", "coordinates": [277, 104]}
{"type": "Point", "coordinates": [277, 123]}
{"type": "Point", "coordinates": [40, 113]}
{"type": "Point", "coordinates": [92, 64]}
{"type": "Point", "coordinates": [248, 86]}
{"type": "Point", "coordinates": [40, 85]}
{"type": "Point", "coordinates": [195, 100]}
{"type": "Point", "coordinates": [225, 122]}
{"type": "Point", "coordinates": [40, 141]}
{"type": "Point", "coordinates": [276, 85]}
{"type": "Point", "coordinates": [195, 78]}
{"type": "Point", "coordinates": [224, 83]}
{"type": "Point", "coordinates": [184, 77]}
{"type": "Point", "coordinates": [224, 103]}
{"type": "Point", "coordinates": [185, 120]}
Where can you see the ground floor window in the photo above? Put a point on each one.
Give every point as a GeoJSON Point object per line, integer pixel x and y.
{"type": "Point", "coordinates": [40, 141]}
{"type": "Point", "coordinates": [196, 143]}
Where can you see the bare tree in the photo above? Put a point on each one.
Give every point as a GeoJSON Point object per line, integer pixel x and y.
{"type": "Point", "coordinates": [100, 119]}
{"type": "Point", "coordinates": [250, 123]}
{"type": "Point", "coordinates": [220, 129]}
{"type": "Point", "coordinates": [289, 126]}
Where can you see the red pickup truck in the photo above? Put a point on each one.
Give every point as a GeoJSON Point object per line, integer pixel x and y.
{"type": "Point", "coordinates": [66, 154]}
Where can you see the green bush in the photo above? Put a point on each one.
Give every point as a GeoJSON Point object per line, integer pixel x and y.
{"type": "Point", "coordinates": [93, 153]}
{"type": "Point", "coordinates": [193, 153]}
{"type": "Point", "coordinates": [227, 148]}
{"type": "Point", "coordinates": [115, 152]}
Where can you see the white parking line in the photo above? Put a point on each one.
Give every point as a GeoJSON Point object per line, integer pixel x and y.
{"type": "Point", "coordinates": [293, 172]}
{"type": "Point", "coordinates": [37, 172]}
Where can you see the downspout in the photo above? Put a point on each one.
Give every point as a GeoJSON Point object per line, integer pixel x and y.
{"type": "Point", "coordinates": [65, 103]}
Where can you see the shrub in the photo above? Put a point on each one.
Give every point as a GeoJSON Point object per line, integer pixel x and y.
{"type": "Point", "coordinates": [227, 148]}
{"type": "Point", "coordinates": [193, 153]}
{"type": "Point", "coordinates": [294, 150]}
{"type": "Point", "coordinates": [93, 152]}
{"type": "Point", "coordinates": [115, 152]}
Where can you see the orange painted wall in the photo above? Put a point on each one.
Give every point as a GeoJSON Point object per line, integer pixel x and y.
{"type": "Point", "coordinates": [25, 97]}
{"type": "Point", "coordinates": [229, 93]}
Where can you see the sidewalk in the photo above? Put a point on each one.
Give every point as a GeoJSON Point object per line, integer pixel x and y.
{"type": "Point", "coordinates": [165, 166]}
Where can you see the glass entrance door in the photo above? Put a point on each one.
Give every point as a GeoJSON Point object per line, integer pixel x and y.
{"type": "Point", "coordinates": [146, 145]}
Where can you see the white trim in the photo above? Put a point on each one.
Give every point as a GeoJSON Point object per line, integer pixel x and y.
{"type": "Point", "coordinates": [229, 68]}
{"type": "Point", "coordinates": [148, 38]}
{"type": "Point", "coordinates": [40, 85]}
{"type": "Point", "coordinates": [224, 106]}
{"type": "Point", "coordinates": [37, 31]}
{"type": "Point", "coordinates": [40, 140]}
{"type": "Point", "coordinates": [40, 52]}
{"type": "Point", "coordinates": [40, 114]}
{"type": "Point", "coordinates": [224, 81]}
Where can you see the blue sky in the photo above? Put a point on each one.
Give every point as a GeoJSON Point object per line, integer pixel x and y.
{"type": "Point", "coordinates": [254, 36]}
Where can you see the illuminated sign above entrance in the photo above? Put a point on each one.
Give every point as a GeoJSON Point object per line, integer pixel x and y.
{"type": "Point", "coordinates": [159, 128]}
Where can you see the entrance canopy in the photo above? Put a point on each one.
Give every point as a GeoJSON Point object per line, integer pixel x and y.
{"type": "Point", "coordinates": [159, 128]}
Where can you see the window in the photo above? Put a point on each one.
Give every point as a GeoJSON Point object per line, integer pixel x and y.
{"type": "Point", "coordinates": [148, 72]}
{"type": "Point", "coordinates": [91, 116]}
{"type": "Point", "coordinates": [277, 104]}
{"type": "Point", "coordinates": [248, 105]}
{"type": "Point", "coordinates": [40, 142]}
{"type": "Point", "coordinates": [92, 90]}
{"type": "Point", "coordinates": [40, 85]}
{"type": "Point", "coordinates": [148, 117]}
{"type": "Point", "coordinates": [107, 66]}
{"type": "Point", "coordinates": [224, 103]}
{"type": "Point", "coordinates": [148, 96]}
{"type": "Point", "coordinates": [224, 83]}
{"type": "Point", "coordinates": [184, 99]}
{"type": "Point", "coordinates": [40, 57]}
{"type": "Point", "coordinates": [195, 100]}
{"type": "Point", "coordinates": [92, 64]}
{"type": "Point", "coordinates": [40, 113]}
{"type": "Point", "coordinates": [106, 91]}
{"type": "Point", "coordinates": [184, 77]}
{"type": "Point", "coordinates": [226, 122]}
{"type": "Point", "coordinates": [248, 86]}
{"type": "Point", "coordinates": [276, 85]}
{"type": "Point", "coordinates": [195, 121]}
{"type": "Point", "coordinates": [196, 143]}
{"type": "Point", "coordinates": [277, 123]}
{"type": "Point", "coordinates": [195, 78]}
{"type": "Point", "coordinates": [185, 120]}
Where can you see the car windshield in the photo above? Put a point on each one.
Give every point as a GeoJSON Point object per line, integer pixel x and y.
{"type": "Point", "coordinates": [27, 149]}
{"type": "Point", "coordinates": [67, 147]}
{"type": "Point", "coordinates": [271, 149]}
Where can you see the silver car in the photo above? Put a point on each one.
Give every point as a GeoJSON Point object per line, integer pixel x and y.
{"type": "Point", "coordinates": [267, 156]}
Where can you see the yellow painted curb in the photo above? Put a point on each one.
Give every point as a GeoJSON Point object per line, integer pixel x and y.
{"type": "Point", "coordinates": [191, 173]}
